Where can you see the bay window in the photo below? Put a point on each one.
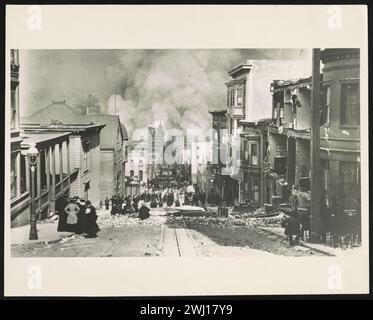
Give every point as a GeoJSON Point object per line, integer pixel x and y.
{"type": "Point", "coordinates": [350, 104]}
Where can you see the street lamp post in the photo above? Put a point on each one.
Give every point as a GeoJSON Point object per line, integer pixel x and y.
{"type": "Point", "coordinates": [32, 157]}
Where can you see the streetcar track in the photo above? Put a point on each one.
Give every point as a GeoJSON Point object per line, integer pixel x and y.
{"type": "Point", "coordinates": [177, 242]}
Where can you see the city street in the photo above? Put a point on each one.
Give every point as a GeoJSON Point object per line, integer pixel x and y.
{"type": "Point", "coordinates": [128, 236]}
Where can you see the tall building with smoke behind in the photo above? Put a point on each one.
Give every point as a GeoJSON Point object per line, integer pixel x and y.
{"type": "Point", "coordinates": [156, 135]}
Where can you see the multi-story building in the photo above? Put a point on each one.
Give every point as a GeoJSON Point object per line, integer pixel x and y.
{"type": "Point", "coordinates": [155, 146]}
{"type": "Point", "coordinates": [239, 100]}
{"type": "Point", "coordinates": [53, 174]}
{"type": "Point", "coordinates": [113, 138]}
{"type": "Point", "coordinates": [340, 126]}
{"type": "Point", "coordinates": [254, 146]}
{"type": "Point", "coordinates": [83, 145]}
{"type": "Point", "coordinates": [19, 196]}
{"type": "Point", "coordinates": [289, 134]}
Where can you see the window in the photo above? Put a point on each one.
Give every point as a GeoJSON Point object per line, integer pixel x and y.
{"type": "Point", "coordinates": [13, 178]}
{"type": "Point", "coordinates": [349, 176]}
{"type": "Point", "coordinates": [13, 108]}
{"type": "Point", "coordinates": [43, 175]}
{"type": "Point", "coordinates": [132, 162]}
{"type": "Point", "coordinates": [325, 106]}
{"type": "Point", "coordinates": [87, 161]}
{"type": "Point", "coordinates": [275, 113]}
{"type": "Point", "coordinates": [23, 174]}
{"type": "Point", "coordinates": [132, 173]}
{"type": "Point", "coordinates": [281, 116]}
{"type": "Point", "coordinates": [240, 96]}
{"type": "Point", "coordinates": [142, 152]}
{"type": "Point", "coordinates": [140, 163]}
{"type": "Point", "coordinates": [232, 102]}
{"type": "Point", "coordinates": [141, 174]}
{"type": "Point", "coordinates": [255, 186]}
{"type": "Point", "coordinates": [246, 150]}
{"type": "Point", "coordinates": [350, 104]}
{"type": "Point", "coordinates": [254, 154]}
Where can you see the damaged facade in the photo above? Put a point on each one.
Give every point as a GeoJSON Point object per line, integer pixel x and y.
{"type": "Point", "coordinates": [269, 161]}
{"type": "Point", "coordinates": [288, 152]}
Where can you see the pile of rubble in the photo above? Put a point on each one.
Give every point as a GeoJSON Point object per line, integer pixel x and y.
{"type": "Point", "coordinates": [233, 221]}
{"type": "Point", "coordinates": [208, 221]}
{"type": "Point", "coordinates": [274, 221]}
{"type": "Point", "coordinates": [125, 220]}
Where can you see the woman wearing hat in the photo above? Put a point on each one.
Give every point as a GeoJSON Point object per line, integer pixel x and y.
{"type": "Point", "coordinates": [91, 226]}
{"type": "Point", "coordinates": [71, 210]}
{"type": "Point", "coordinates": [80, 226]}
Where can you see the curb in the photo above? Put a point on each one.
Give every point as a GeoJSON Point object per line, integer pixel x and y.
{"type": "Point", "coordinates": [43, 241]}
{"type": "Point", "coordinates": [301, 243]}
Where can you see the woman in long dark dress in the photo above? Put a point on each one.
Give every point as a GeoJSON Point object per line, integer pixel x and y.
{"type": "Point", "coordinates": [61, 203]}
{"type": "Point", "coordinates": [91, 217]}
{"type": "Point", "coordinates": [80, 226]}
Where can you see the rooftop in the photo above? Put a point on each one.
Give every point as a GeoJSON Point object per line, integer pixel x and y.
{"type": "Point", "coordinates": [109, 133]}
{"type": "Point", "coordinates": [240, 69]}
{"type": "Point", "coordinates": [57, 112]}
{"type": "Point", "coordinates": [41, 138]}
{"type": "Point", "coordinates": [338, 54]}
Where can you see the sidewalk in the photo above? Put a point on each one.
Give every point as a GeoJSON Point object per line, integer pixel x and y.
{"type": "Point", "coordinates": [47, 232]}
{"type": "Point", "coordinates": [316, 246]}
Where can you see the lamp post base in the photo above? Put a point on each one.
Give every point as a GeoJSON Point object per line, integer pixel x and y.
{"type": "Point", "coordinates": [33, 234]}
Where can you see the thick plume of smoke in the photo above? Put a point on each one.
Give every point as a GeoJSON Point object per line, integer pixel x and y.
{"type": "Point", "coordinates": [177, 87]}
{"type": "Point", "coordinates": [142, 86]}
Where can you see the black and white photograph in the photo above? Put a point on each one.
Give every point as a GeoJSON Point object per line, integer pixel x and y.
{"type": "Point", "coordinates": [185, 153]}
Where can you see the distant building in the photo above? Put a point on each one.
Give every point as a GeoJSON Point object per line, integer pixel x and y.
{"type": "Point", "coordinates": [136, 169]}
{"type": "Point", "coordinates": [83, 145]}
{"type": "Point", "coordinates": [113, 141]}
{"type": "Point", "coordinates": [201, 158]}
{"type": "Point", "coordinates": [155, 146]}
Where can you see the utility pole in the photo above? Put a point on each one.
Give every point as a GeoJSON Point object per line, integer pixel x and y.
{"type": "Point", "coordinates": [315, 148]}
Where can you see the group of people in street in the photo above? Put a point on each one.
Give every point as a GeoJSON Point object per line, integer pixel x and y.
{"type": "Point", "coordinates": [77, 215]}
{"type": "Point", "coordinates": [342, 227]}
{"type": "Point", "coordinates": [168, 196]}
{"type": "Point", "coordinates": [127, 205]}
{"type": "Point", "coordinates": [122, 205]}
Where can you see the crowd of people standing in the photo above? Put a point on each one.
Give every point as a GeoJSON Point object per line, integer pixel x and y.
{"type": "Point", "coordinates": [77, 215]}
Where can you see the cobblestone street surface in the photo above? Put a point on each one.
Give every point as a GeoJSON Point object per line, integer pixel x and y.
{"type": "Point", "coordinates": [128, 236]}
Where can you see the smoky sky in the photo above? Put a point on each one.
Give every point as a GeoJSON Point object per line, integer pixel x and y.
{"type": "Point", "coordinates": [177, 87]}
